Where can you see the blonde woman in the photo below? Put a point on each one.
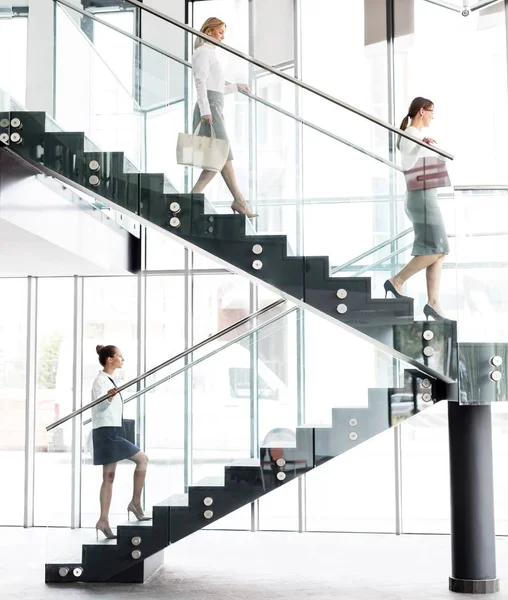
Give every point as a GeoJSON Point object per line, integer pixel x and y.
{"type": "Point", "coordinates": [211, 88]}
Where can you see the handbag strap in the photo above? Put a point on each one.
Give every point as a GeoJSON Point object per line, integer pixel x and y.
{"type": "Point", "coordinates": [198, 129]}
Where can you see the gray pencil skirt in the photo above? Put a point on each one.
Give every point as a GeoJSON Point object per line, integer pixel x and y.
{"type": "Point", "coordinates": [430, 233]}
{"type": "Point", "coordinates": [216, 100]}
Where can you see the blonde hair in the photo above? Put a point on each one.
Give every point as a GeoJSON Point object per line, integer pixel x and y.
{"type": "Point", "coordinates": [210, 23]}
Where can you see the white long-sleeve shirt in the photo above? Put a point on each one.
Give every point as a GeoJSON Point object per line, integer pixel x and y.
{"type": "Point", "coordinates": [208, 76]}
{"type": "Point", "coordinates": [106, 414]}
{"type": "Point", "coordinates": [410, 151]}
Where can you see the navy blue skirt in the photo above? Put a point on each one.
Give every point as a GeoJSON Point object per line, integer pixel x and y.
{"type": "Point", "coordinates": [109, 446]}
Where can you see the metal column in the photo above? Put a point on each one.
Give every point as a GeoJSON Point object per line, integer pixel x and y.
{"type": "Point", "coordinates": [254, 399]}
{"type": "Point", "coordinates": [188, 334]}
{"type": "Point", "coordinates": [77, 397]}
{"type": "Point", "coordinates": [472, 500]}
{"type": "Point", "coordinates": [31, 378]}
{"type": "Point", "coordinates": [300, 249]}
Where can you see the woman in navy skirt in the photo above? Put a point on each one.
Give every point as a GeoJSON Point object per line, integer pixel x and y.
{"type": "Point", "coordinates": [109, 443]}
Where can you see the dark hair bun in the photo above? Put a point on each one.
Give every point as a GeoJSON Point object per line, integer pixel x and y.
{"type": "Point", "coordinates": [98, 348]}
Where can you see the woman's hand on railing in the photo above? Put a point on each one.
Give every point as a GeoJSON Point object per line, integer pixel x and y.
{"type": "Point", "coordinates": [112, 394]}
{"type": "Point", "coordinates": [207, 118]}
{"type": "Point", "coordinates": [243, 87]}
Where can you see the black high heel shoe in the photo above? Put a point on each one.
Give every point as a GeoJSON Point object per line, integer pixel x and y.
{"type": "Point", "coordinates": [428, 311]}
{"type": "Point", "coordinates": [389, 287]}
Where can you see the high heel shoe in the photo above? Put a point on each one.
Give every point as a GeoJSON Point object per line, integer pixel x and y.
{"type": "Point", "coordinates": [389, 287]}
{"type": "Point", "coordinates": [137, 512]}
{"type": "Point", "coordinates": [242, 208]}
{"type": "Point", "coordinates": [428, 311]}
{"type": "Point", "coordinates": [106, 530]}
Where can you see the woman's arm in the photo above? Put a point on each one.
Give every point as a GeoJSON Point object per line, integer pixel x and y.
{"type": "Point", "coordinates": [201, 70]}
{"type": "Point", "coordinates": [230, 88]}
{"type": "Point", "coordinates": [409, 148]}
{"type": "Point", "coordinates": [101, 388]}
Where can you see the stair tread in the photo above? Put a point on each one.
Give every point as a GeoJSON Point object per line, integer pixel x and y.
{"type": "Point", "coordinates": [101, 542]}
{"type": "Point", "coordinates": [135, 523]}
{"type": "Point", "coordinates": [217, 481]}
{"type": "Point", "coordinates": [279, 444]}
{"type": "Point", "coordinates": [175, 500]}
{"type": "Point", "coordinates": [245, 462]}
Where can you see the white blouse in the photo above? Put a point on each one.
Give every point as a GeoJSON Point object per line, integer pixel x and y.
{"type": "Point", "coordinates": [208, 76]}
{"type": "Point", "coordinates": [411, 151]}
{"type": "Point", "coordinates": [106, 414]}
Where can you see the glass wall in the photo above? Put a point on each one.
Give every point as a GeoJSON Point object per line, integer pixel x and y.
{"type": "Point", "coordinates": [464, 71]}
{"type": "Point", "coordinates": [355, 492]}
{"type": "Point", "coordinates": [186, 298]}
{"type": "Point", "coordinates": [13, 329]}
{"type": "Point", "coordinates": [13, 33]}
{"type": "Point", "coordinates": [110, 316]}
{"type": "Point", "coordinates": [54, 399]}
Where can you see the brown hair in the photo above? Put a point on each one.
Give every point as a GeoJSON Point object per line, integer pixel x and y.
{"type": "Point", "coordinates": [105, 352]}
{"type": "Point", "coordinates": [414, 108]}
{"type": "Point", "coordinates": [210, 23]}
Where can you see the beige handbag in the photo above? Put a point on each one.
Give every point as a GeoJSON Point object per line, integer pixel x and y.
{"type": "Point", "coordinates": [202, 152]}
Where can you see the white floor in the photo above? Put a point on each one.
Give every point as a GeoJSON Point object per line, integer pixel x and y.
{"type": "Point", "coordinates": [262, 566]}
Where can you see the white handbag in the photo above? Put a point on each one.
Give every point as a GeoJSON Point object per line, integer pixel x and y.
{"type": "Point", "coordinates": [202, 152]}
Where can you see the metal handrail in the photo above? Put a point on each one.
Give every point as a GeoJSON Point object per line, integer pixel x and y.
{"type": "Point", "coordinates": [205, 357]}
{"type": "Point", "coordinates": [371, 250]}
{"type": "Point", "coordinates": [259, 64]}
{"type": "Point", "coordinates": [274, 107]}
{"type": "Point", "coordinates": [404, 248]}
{"type": "Point", "coordinates": [481, 188]}
{"type": "Point", "coordinates": [382, 260]}
{"type": "Point", "coordinates": [172, 360]}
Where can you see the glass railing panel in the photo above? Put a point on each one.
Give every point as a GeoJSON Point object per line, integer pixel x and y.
{"type": "Point", "coordinates": [89, 96]}
{"type": "Point", "coordinates": [482, 328]}
{"type": "Point", "coordinates": [40, 139]}
{"type": "Point", "coordinates": [296, 153]}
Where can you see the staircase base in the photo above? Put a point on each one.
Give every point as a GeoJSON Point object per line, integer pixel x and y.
{"type": "Point", "coordinates": [140, 572]}
{"type": "Point", "coordinates": [473, 586]}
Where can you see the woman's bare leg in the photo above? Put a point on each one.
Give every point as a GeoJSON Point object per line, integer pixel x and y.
{"type": "Point", "coordinates": [416, 264]}
{"type": "Point", "coordinates": [228, 173]}
{"type": "Point", "coordinates": [106, 493]}
{"type": "Point", "coordinates": [434, 282]}
{"type": "Point", "coordinates": [239, 202]}
{"type": "Point", "coordinates": [141, 460]}
{"type": "Point", "coordinates": [203, 180]}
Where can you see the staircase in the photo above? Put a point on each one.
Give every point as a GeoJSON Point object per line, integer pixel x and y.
{"type": "Point", "coordinates": [263, 258]}
{"type": "Point", "coordinates": [138, 551]}
{"type": "Point", "coordinates": [429, 347]}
